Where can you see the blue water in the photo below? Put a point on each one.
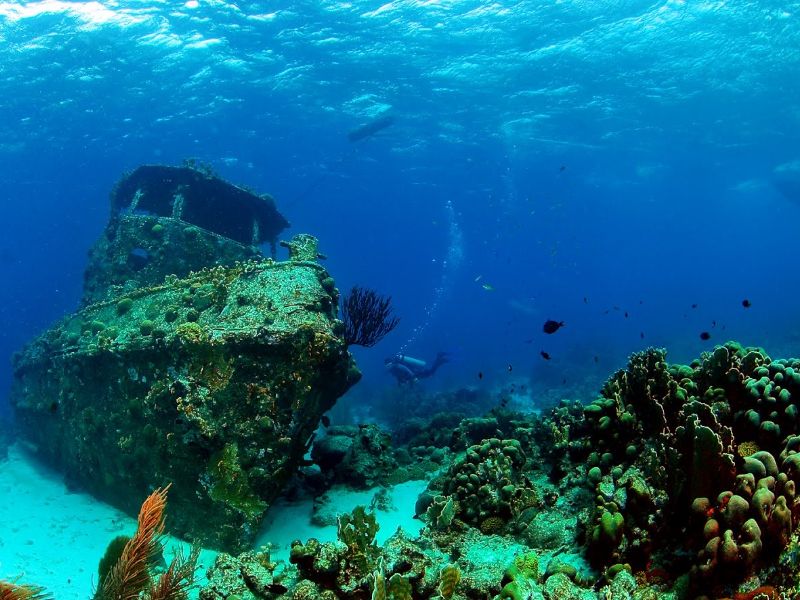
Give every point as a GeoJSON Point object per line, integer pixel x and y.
{"type": "Point", "coordinates": [547, 160]}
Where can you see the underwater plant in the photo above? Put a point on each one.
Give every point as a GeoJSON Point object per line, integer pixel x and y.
{"type": "Point", "coordinates": [12, 591]}
{"type": "Point", "coordinates": [367, 317]}
{"type": "Point", "coordinates": [131, 572]}
{"type": "Point", "coordinates": [126, 570]}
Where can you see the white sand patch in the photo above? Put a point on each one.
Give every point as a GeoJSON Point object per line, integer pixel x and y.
{"type": "Point", "coordinates": [288, 521]}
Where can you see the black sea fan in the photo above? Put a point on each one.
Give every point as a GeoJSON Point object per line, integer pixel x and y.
{"type": "Point", "coordinates": [367, 317]}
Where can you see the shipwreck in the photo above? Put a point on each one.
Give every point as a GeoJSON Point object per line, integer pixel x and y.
{"type": "Point", "coordinates": [194, 359]}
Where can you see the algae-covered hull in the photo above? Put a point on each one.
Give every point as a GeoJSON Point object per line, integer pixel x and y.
{"type": "Point", "coordinates": [214, 382]}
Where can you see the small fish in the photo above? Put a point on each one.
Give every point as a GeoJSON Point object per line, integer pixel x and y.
{"type": "Point", "coordinates": [551, 326]}
{"type": "Point", "coordinates": [626, 314]}
{"type": "Point", "coordinates": [487, 287]}
{"type": "Point", "coordinates": [510, 368]}
{"type": "Point", "coordinates": [529, 341]}
{"type": "Point", "coordinates": [480, 374]}
{"type": "Point", "coordinates": [562, 168]}
{"type": "Point", "coordinates": [545, 355]}
{"type": "Point", "coordinates": [694, 305]}
{"type": "Point", "coordinates": [641, 335]}
{"type": "Point", "coordinates": [326, 421]}
{"type": "Point", "coordinates": [746, 303]}
{"type": "Point", "coordinates": [713, 324]}
{"type": "Point", "coordinates": [596, 359]}
{"type": "Point", "coordinates": [585, 300]}
{"type": "Point", "coordinates": [705, 336]}
{"type": "Point", "coordinates": [478, 278]}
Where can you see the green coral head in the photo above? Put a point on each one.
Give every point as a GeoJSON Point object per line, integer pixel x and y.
{"type": "Point", "coordinates": [358, 529]}
{"type": "Point", "coordinates": [399, 587]}
{"type": "Point", "coordinates": [378, 586]}
{"type": "Point", "coordinates": [449, 577]}
{"type": "Point", "coordinates": [525, 567]}
{"type": "Point", "coordinates": [441, 512]}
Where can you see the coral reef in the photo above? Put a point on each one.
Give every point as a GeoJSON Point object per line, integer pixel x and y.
{"type": "Point", "coordinates": [706, 450]}
{"type": "Point", "coordinates": [676, 482]}
{"type": "Point", "coordinates": [488, 486]}
{"type": "Point", "coordinates": [248, 576]}
{"type": "Point", "coordinates": [360, 456]}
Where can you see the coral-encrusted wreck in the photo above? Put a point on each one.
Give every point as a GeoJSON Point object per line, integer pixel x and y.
{"type": "Point", "coordinates": [193, 360]}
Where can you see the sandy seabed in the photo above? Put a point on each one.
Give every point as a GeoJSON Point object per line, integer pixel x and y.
{"type": "Point", "coordinates": [53, 537]}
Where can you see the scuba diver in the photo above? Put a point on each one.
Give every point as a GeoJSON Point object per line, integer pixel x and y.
{"type": "Point", "coordinates": [407, 369]}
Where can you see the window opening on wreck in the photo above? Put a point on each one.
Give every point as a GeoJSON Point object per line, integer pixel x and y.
{"type": "Point", "coordinates": [138, 258]}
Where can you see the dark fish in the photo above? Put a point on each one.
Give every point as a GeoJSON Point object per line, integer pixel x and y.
{"type": "Point", "coordinates": [480, 374]}
{"type": "Point", "coordinates": [326, 421]}
{"type": "Point", "coordinates": [545, 355]}
{"type": "Point", "coordinates": [370, 128]}
{"type": "Point", "coordinates": [641, 335]}
{"type": "Point", "coordinates": [746, 303]}
{"type": "Point", "coordinates": [551, 326]}
{"type": "Point", "coordinates": [694, 305]}
{"type": "Point", "coordinates": [510, 368]}
{"type": "Point", "coordinates": [596, 359]}
{"type": "Point", "coordinates": [585, 300]}
{"type": "Point", "coordinates": [626, 314]}
{"type": "Point", "coordinates": [713, 324]}
{"type": "Point", "coordinates": [529, 341]}
{"type": "Point", "coordinates": [705, 336]}
{"type": "Point", "coordinates": [562, 168]}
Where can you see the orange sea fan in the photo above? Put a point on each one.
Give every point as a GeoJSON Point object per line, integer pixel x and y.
{"type": "Point", "coordinates": [12, 591]}
{"type": "Point", "coordinates": [131, 574]}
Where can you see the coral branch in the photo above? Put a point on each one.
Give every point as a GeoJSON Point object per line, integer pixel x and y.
{"type": "Point", "coordinates": [12, 591]}
{"type": "Point", "coordinates": [367, 317]}
{"type": "Point", "coordinates": [178, 579]}
{"type": "Point", "coordinates": [131, 573]}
